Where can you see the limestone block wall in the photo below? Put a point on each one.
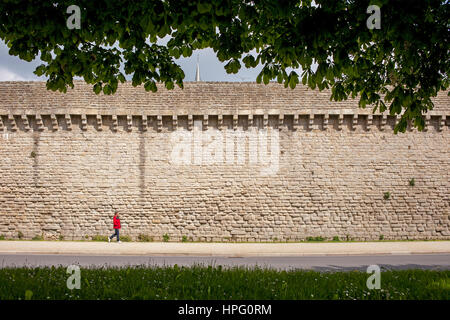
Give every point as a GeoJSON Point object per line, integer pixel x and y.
{"type": "Point", "coordinates": [288, 167]}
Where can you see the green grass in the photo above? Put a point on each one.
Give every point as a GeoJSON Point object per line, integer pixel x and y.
{"type": "Point", "coordinates": [201, 282]}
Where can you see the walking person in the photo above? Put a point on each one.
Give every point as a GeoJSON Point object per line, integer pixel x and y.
{"type": "Point", "coordinates": [116, 225]}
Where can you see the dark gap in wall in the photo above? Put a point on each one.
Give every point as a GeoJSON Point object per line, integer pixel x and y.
{"type": "Point", "coordinates": [377, 121]}
{"type": "Point", "coordinates": [258, 121]}
{"type": "Point", "coordinates": [348, 122]}
{"type": "Point", "coordinates": [243, 122]}
{"type": "Point", "coordinates": [167, 123]}
{"type": "Point", "coordinates": [303, 122]}
{"type": "Point", "coordinates": [182, 122]}
{"type": "Point", "coordinates": [47, 121]}
{"type": "Point", "coordinates": [391, 122]}
{"type": "Point", "coordinates": [213, 122]}
{"type": "Point", "coordinates": [76, 121]}
{"type": "Point", "coordinates": [318, 121]}
{"type": "Point", "coordinates": [289, 121]}
{"type": "Point", "coordinates": [228, 121]}
{"type": "Point", "coordinates": [333, 121]}
{"type": "Point", "coordinates": [434, 122]}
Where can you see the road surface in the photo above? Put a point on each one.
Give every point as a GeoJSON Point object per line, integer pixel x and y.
{"type": "Point", "coordinates": [316, 262]}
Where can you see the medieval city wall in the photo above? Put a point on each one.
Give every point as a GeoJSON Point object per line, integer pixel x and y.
{"type": "Point", "coordinates": [217, 162]}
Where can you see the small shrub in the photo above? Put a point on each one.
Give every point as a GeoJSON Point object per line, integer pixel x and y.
{"type": "Point", "coordinates": [2, 237]}
{"type": "Point", "coordinates": [125, 238]}
{"type": "Point", "coordinates": [184, 239]}
{"type": "Point", "coordinates": [412, 182]}
{"type": "Point", "coordinates": [99, 238]}
{"type": "Point", "coordinates": [61, 237]}
{"type": "Point", "coordinates": [166, 237]}
{"type": "Point", "coordinates": [144, 238]}
{"type": "Point", "coordinates": [381, 237]}
{"type": "Point", "coordinates": [274, 239]}
{"type": "Point", "coordinates": [336, 238]}
{"type": "Point", "coordinates": [33, 154]}
{"type": "Point", "coordinates": [38, 238]}
{"type": "Point", "coordinates": [315, 239]}
{"type": "Point", "coordinates": [387, 195]}
{"type": "Point", "coordinates": [20, 235]}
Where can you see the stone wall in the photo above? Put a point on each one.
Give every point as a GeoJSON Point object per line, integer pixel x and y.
{"type": "Point", "coordinates": [217, 162]}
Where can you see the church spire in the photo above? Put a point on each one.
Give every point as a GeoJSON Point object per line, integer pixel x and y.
{"type": "Point", "coordinates": [197, 72]}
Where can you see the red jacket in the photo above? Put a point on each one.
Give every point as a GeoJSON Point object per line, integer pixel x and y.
{"type": "Point", "coordinates": [116, 223]}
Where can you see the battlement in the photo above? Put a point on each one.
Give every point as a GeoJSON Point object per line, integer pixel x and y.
{"type": "Point", "coordinates": [327, 120]}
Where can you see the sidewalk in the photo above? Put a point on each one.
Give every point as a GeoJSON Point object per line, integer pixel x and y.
{"type": "Point", "coordinates": [222, 249]}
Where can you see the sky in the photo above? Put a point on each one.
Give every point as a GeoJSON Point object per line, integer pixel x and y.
{"type": "Point", "coordinates": [211, 69]}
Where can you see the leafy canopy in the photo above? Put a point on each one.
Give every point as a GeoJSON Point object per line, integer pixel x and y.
{"type": "Point", "coordinates": [398, 67]}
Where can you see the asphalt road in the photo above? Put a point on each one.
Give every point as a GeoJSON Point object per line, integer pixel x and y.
{"type": "Point", "coordinates": [319, 263]}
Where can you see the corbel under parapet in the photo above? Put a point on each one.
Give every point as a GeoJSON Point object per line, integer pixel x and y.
{"type": "Point", "coordinates": [144, 122]}
{"type": "Point", "coordinates": [83, 122]}
{"type": "Point", "coordinates": [369, 122]}
{"type": "Point", "coordinates": [205, 122]}
{"type": "Point", "coordinates": [383, 122]}
{"type": "Point", "coordinates": [340, 121]}
{"type": "Point", "coordinates": [175, 122]}
{"type": "Point", "coordinates": [235, 121]}
{"type": "Point", "coordinates": [265, 120]}
{"type": "Point", "coordinates": [296, 122]}
{"type": "Point", "coordinates": [12, 122]}
{"type": "Point", "coordinates": [280, 121]}
{"type": "Point", "coordinates": [98, 118]}
{"type": "Point", "coordinates": [39, 122]}
{"type": "Point", "coordinates": [326, 119]}
{"type": "Point", "coordinates": [159, 123]}
{"type": "Point", "coordinates": [354, 121]}
{"type": "Point", "coordinates": [129, 122]}
{"type": "Point", "coordinates": [220, 121]}
{"type": "Point", "coordinates": [250, 120]}
{"type": "Point", "coordinates": [311, 121]}
{"type": "Point", "coordinates": [427, 122]}
{"type": "Point", "coordinates": [115, 123]}
{"type": "Point", "coordinates": [190, 121]}
{"type": "Point", "coordinates": [26, 123]}
{"type": "Point", "coordinates": [68, 120]}
{"type": "Point", "coordinates": [54, 122]}
{"type": "Point", "coordinates": [442, 120]}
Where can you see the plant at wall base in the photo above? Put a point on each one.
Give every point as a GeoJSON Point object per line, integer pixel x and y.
{"type": "Point", "coordinates": [125, 238]}
{"type": "Point", "coordinates": [387, 195]}
{"type": "Point", "coordinates": [381, 237]}
{"type": "Point", "coordinates": [20, 235]}
{"type": "Point", "coordinates": [61, 237]}
{"type": "Point", "coordinates": [336, 238]}
{"type": "Point", "coordinates": [166, 237]}
{"type": "Point", "coordinates": [99, 238]}
{"type": "Point", "coordinates": [184, 239]}
{"type": "Point", "coordinates": [412, 182]}
{"type": "Point", "coordinates": [144, 238]}
{"type": "Point", "coordinates": [38, 238]}
{"type": "Point", "coordinates": [315, 239]}
{"type": "Point", "coordinates": [2, 237]}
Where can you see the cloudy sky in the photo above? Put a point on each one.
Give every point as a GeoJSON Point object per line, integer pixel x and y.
{"type": "Point", "coordinates": [211, 69]}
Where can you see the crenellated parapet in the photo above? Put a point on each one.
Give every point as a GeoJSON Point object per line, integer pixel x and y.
{"type": "Point", "coordinates": [314, 120]}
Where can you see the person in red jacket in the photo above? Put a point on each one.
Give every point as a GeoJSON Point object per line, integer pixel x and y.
{"type": "Point", "coordinates": [116, 223]}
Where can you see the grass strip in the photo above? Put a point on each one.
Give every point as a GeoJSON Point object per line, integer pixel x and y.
{"type": "Point", "coordinates": [207, 282]}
